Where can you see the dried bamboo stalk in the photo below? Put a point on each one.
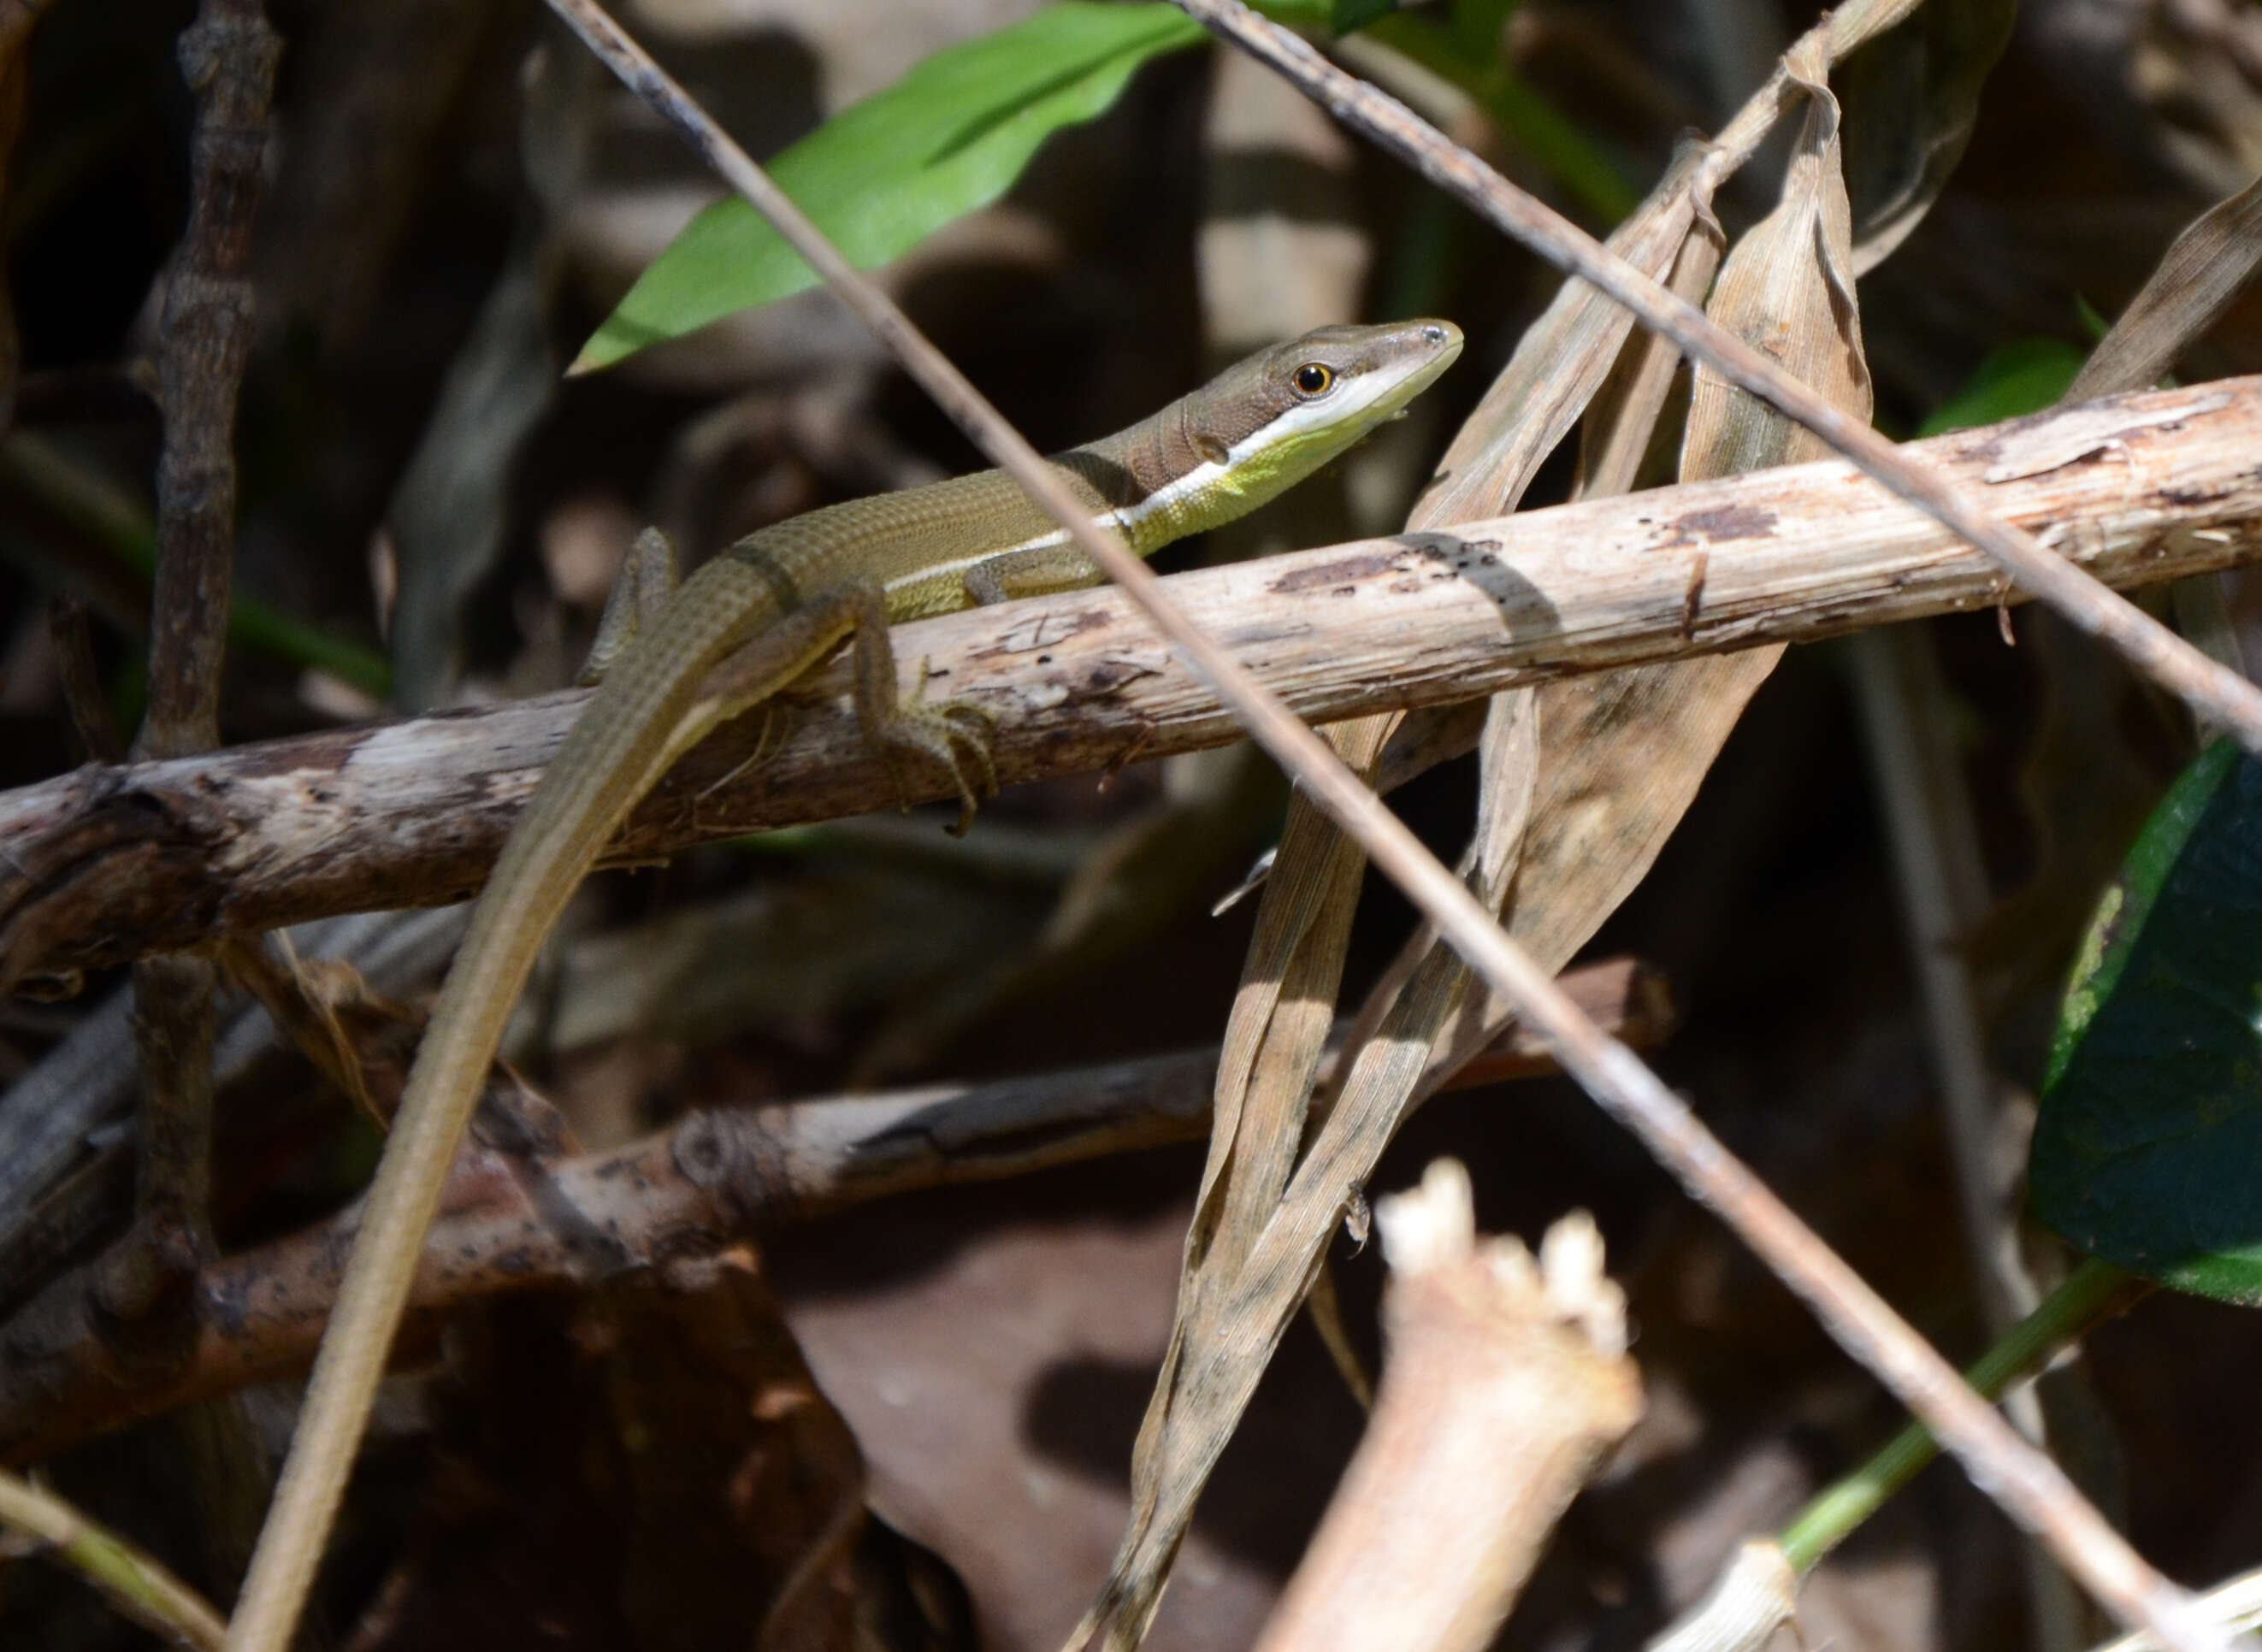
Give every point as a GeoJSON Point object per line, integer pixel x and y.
{"type": "Point", "coordinates": [108, 864]}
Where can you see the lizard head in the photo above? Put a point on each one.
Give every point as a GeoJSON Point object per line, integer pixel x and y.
{"type": "Point", "coordinates": [1272, 419]}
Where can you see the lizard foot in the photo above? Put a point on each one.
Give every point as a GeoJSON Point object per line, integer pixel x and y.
{"type": "Point", "coordinates": [952, 735]}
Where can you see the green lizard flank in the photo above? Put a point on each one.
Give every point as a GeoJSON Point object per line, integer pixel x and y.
{"type": "Point", "coordinates": [741, 628]}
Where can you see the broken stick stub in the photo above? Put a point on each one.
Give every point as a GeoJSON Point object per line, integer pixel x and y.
{"type": "Point", "coordinates": [1505, 1387]}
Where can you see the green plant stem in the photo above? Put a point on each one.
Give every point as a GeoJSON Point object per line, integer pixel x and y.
{"type": "Point", "coordinates": [2095, 1292]}
{"type": "Point", "coordinates": [1527, 120]}
{"type": "Point", "coordinates": [90, 504]}
{"type": "Point", "coordinates": [140, 1587]}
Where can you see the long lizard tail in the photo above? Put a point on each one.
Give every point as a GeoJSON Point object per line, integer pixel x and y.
{"type": "Point", "coordinates": [647, 715]}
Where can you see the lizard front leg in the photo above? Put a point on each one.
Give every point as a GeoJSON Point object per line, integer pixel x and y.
{"type": "Point", "coordinates": [953, 734]}
{"type": "Point", "coordinates": [1028, 573]}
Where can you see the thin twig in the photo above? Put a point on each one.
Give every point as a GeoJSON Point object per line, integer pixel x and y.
{"type": "Point", "coordinates": [175, 1019]}
{"type": "Point", "coordinates": [1943, 893]}
{"type": "Point", "coordinates": [229, 56]}
{"type": "Point", "coordinates": [136, 1584]}
{"type": "Point", "coordinates": [100, 865]}
{"type": "Point", "coordinates": [2031, 1487]}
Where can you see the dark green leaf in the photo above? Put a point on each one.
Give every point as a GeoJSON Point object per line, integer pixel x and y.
{"type": "Point", "coordinates": [2020, 378]}
{"type": "Point", "coordinates": [949, 137]}
{"type": "Point", "coordinates": [2149, 1149]}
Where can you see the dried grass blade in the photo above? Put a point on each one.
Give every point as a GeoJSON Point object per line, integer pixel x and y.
{"type": "Point", "coordinates": [1223, 1344]}
{"type": "Point", "coordinates": [1265, 1068]}
{"type": "Point", "coordinates": [1621, 425]}
{"type": "Point", "coordinates": [1787, 289]}
{"type": "Point", "coordinates": [1627, 751]}
{"type": "Point", "coordinates": [1559, 364]}
{"type": "Point", "coordinates": [1281, 1016]}
{"type": "Point", "coordinates": [2205, 269]}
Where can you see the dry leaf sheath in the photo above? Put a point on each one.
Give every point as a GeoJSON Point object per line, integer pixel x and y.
{"type": "Point", "coordinates": [1626, 751]}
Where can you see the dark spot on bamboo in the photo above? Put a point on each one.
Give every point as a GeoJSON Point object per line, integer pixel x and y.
{"type": "Point", "coordinates": [1330, 575]}
{"type": "Point", "coordinates": [1719, 525]}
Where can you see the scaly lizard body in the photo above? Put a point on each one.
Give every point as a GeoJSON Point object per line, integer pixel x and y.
{"type": "Point", "coordinates": [741, 628]}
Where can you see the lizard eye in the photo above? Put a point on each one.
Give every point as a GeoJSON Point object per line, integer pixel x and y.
{"type": "Point", "coordinates": [1314, 379]}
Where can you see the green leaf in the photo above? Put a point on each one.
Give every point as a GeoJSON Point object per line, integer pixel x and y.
{"type": "Point", "coordinates": [2147, 1152]}
{"type": "Point", "coordinates": [880, 177]}
{"type": "Point", "coordinates": [2022, 376]}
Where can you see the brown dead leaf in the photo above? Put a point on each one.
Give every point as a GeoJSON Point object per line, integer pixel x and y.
{"type": "Point", "coordinates": [1787, 289]}
{"type": "Point", "coordinates": [1620, 427]}
{"type": "Point", "coordinates": [1232, 1311]}
{"type": "Point", "coordinates": [1626, 751]}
